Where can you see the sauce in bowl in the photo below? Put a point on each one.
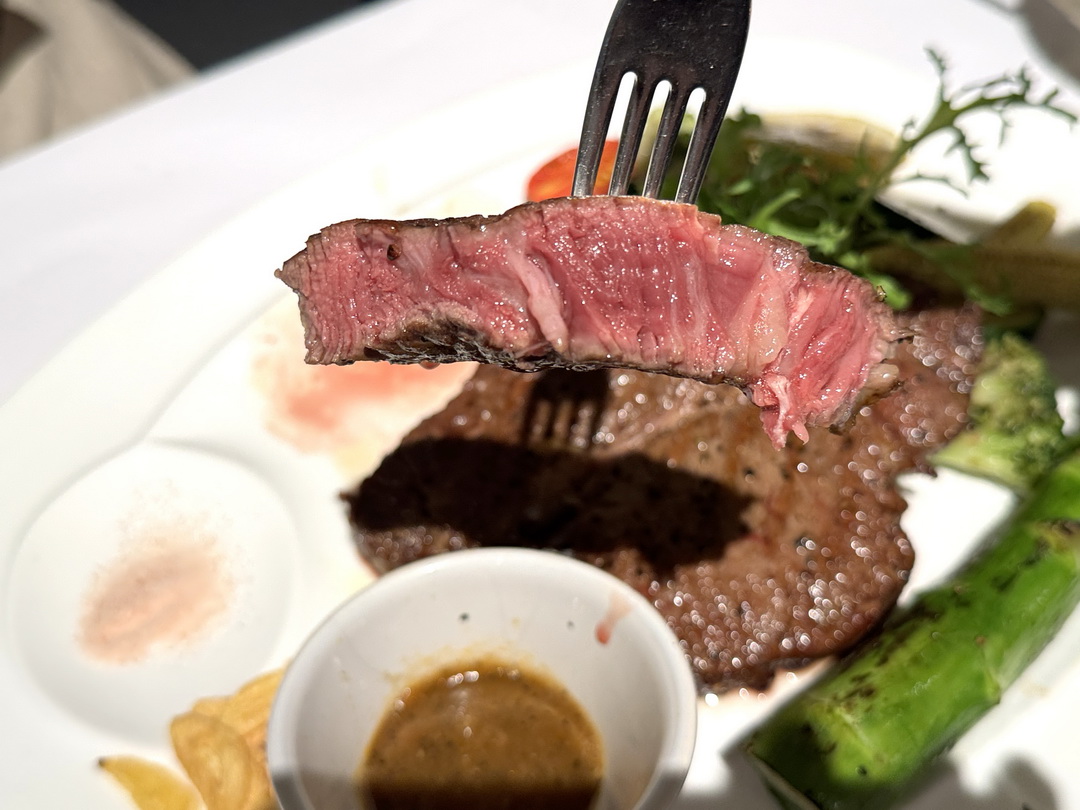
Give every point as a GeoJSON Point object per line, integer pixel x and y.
{"type": "Point", "coordinates": [486, 735]}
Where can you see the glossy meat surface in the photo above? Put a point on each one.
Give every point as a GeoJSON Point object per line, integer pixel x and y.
{"type": "Point", "coordinates": [602, 282]}
{"type": "Point", "coordinates": [757, 558]}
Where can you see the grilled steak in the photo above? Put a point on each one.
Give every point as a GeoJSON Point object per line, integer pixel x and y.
{"type": "Point", "coordinates": [757, 558]}
{"type": "Point", "coordinates": [601, 282]}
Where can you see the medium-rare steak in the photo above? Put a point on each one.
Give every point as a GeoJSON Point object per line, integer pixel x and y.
{"type": "Point", "coordinates": [601, 282]}
{"type": "Point", "coordinates": [757, 558]}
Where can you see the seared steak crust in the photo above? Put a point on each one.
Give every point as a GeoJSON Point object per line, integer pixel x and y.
{"type": "Point", "coordinates": [758, 558]}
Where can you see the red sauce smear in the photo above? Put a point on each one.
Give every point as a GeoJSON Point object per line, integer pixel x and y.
{"type": "Point", "coordinates": [618, 607]}
{"type": "Point", "coordinates": [318, 409]}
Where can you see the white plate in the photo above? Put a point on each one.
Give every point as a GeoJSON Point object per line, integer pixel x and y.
{"type": "Point", "coordinates": [183, 406]}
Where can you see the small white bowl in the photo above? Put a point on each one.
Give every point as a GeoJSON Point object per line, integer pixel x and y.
{"type": "Point", "coordinates": [591, 632]}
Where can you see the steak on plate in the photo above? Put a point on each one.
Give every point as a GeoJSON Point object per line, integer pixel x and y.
{"type": "Point", "coordinates": [601, 282]}
{"type": "Point", "coordinates": [757, 558]}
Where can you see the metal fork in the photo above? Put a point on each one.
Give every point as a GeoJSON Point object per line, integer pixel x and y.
{"type": "Point", "coordinates": [689, 43]}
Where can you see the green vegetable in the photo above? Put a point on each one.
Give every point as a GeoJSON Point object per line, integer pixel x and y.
{"type": "Point", "coordinates": [831, 206]}
{"type": "Point", "coordinates": [865, 736]}
{"type": "Point", "coordinates": [1015, 432]}
{"type": "Point", "coordinates": [1013, 274]}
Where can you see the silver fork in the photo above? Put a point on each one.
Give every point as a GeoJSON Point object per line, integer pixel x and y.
{"type": "Point", "coordinates": [689, 43]}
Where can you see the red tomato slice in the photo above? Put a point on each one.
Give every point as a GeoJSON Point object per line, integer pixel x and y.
{"type": "Point", "coordinates": [556, 177]}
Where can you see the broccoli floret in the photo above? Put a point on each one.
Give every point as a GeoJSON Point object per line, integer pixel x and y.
{"type": "Point", "coordinates": [1015, 433]}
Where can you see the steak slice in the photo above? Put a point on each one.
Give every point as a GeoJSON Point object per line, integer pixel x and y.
{"type": "Point", "coordinates": [757, 558]}
{"type": "Point", "coordinates": [601, 282]}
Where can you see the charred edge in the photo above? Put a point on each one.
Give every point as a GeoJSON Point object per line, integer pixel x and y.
{"type": "Point", "coordinates": [473, 221]}
{"type": "Point", "coordinates": [448, 342]}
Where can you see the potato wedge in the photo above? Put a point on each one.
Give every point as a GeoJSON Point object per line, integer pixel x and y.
{"type": "Point", "coordinates": [216, 759]}
{"type": "Point", "coordinates": [248, 711]}
{"type": "Point", "coordinates": [151, 785]}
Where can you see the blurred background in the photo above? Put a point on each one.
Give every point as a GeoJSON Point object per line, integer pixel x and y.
{"type": "Point", "coordinates": [67, 62]}
{"type": "Point", "coordinates": [207, 32]}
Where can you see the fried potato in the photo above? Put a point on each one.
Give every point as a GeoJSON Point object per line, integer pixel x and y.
{"type": "Point", "coordinates": [221, 744]}
{"type": "Point", "coordinates": [211, 706]}
{"type": "Point", "coordinates": [217, 760]}
{"type": "Point", "coordinates": [248, 711]}
{"type": "Point", "coordinates": [152, 786]}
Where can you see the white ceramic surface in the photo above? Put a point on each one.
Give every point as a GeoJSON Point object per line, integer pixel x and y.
{"type": "Point", "coordinates": [589, 631]}
{"type": "Point", "coordinates": [156, 495]}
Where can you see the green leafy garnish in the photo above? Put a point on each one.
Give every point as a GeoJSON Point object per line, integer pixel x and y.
{"type": "Point", "coordinates": [832, 207]}
{"type": "Point", "coordinates": [997, 95]}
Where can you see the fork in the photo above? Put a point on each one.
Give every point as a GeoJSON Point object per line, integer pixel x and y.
{"type": "Point", "coordinates": [691, 44]}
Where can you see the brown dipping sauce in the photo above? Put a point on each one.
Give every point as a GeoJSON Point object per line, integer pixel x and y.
{"type": "Point", "coordinates": [483, 736]}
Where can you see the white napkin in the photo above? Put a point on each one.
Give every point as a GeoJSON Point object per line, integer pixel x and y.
{"type": "Point", "coordinates": [64, 62]}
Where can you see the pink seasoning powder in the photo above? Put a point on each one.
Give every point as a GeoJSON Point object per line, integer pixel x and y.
{"type": "Point", "coordinates": [168, 588]}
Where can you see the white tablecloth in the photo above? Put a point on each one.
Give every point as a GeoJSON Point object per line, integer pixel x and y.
{"type": "Point", "coordinates": [85, 218]}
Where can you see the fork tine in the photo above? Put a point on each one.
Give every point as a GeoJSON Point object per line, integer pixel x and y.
{"type": "Point", "coordinates": [666, 135]}
{"type": "Point", "coordinates": [694, 44]}
{"type": "Point", "coordinates": [598, 113]}
{"type": "Point", "coordinates": [725, 70]}
{"type": "Point", "coordinates": [633, 127]}
{"type": "Point", "coordinates": [710, 117]}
